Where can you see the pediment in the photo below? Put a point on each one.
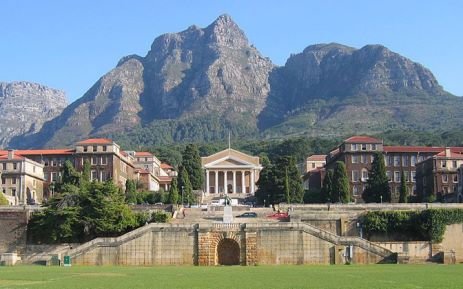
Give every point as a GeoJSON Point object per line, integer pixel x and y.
{"type": "Point", "coordinates": [231, 162]}
{"type": "Point", "coordinates": [228, 161]}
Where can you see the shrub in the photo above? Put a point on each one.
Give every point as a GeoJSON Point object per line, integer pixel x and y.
{"type": "Point", "coordinates": [160, 217]}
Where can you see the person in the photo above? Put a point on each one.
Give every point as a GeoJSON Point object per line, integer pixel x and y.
{"type": "Point", "coordinates": [183, 213]}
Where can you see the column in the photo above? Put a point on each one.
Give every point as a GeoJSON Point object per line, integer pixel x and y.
{"type": "Point", "coordinates": [216, 187]}
{"type": "Point", "coordinates": [243, 186]}
{"type": "Point", "coordinates": [207, 182]}
{"type": "Point", "coordinates": [252, 182]}
{"type": "Point", "coordinates": [225, 182]}
{"type": "Point", "coordinates": [234, 181]}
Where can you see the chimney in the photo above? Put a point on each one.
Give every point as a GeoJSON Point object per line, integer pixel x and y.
{"type": "Point", "coordinates": [10, 154]}
{"type": "Point", "coordinates": [447, 152]}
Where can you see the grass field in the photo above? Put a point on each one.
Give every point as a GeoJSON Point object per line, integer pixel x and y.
{"type": "Point", "coordinates": [326, 277]}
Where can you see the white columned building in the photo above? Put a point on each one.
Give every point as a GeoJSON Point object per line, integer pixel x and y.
{"type": "Point", "coordinates": [244, 168]}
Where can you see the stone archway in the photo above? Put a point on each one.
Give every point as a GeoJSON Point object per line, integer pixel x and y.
{"type": "Point", "coordinates": [228, 252]}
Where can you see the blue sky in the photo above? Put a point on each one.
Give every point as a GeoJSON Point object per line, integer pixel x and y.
{"type": "Point", "coordinates": [70, 44]}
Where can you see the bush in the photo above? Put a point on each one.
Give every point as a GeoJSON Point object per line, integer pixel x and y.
{"type": "Point", "coordinates": [160, 217]}
{"type": "Point", "coordinates": [3, 200]}
{"type": "Point", "coordinates": [426, 225]}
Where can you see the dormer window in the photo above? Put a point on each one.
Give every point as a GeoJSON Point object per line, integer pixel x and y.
{"type": "Point", "coordinates": [364, 147]}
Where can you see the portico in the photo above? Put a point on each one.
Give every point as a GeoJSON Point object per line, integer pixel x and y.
{"type": "Point", "coordinates": [232, 172]}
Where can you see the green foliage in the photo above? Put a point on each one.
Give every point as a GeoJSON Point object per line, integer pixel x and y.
{"type": "Point", "coordinates": [313, 196]}
{"type": "Point", "coordinates": [185, 186]}
{"type": "Point", "coordinates": [78, 214]}
{"type": "Point", "coordinates": [191, 162]}
{"type": "Point", "coordinates": [3, 200]}
{"type": "Point", "coordinates": [340, 186]}
{"type": "Point", "coordinates": [426, 225]}
{"type": "Point", "coordinates": [377, 188]}
{"type": "Point", "coordinates": [327, 191]}
{"type": "Point", "coordinates": [172, 197]}
{"type": "Point", "coordinates": [266, 187]}
{"type": "Point", "coordinates": [286, 187]}
{"type": "Point", "coordinates": [131, 192]}
{"type": "Point", "coordinates": [160, 217]}
{"type": "Point", "coordinates": [403, 195]}
{"type": "Point", "coordinates": [86, 171]}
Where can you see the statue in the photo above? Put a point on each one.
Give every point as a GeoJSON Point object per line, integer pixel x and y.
{"type": "Point", "coordinates": [227, 210]}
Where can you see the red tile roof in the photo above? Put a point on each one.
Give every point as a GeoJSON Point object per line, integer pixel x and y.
{"type": "Point", "coordinates": [143, 154]}
{"type": "Point", "coordinates": [15, 157]}
{"type": "Point", "coordinates": [46, 152]}
{"type": "Point", "coordinates": [317, 158]}
{"type": "Point", "coordinates": [96, 141]}
{"type": "Point", "coordinates": [142, 171]}
{"type": "Point", "coordinates": [453, 154]}
{"type": "Point", "coordinates": [362, 139]}
{"type": "Point", "coordinates": [166, 166]}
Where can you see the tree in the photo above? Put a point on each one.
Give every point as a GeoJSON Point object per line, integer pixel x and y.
{"type": "Point", "coordinates": [185, 185]}
{"type": "Point", "coordinates": [191, 162]}
{"type": "Point", "coordinates": [340, 191]}
{"type": "Point", "coordinates": [86, 171]}
{"type": "Point", "coordinates": [377, 188]}
{"type": "Point", "coordinates": [327, 187]}
{"type": "Point", "coordinates": [131, 193]}
{"type": "Point", "coordinates": [403, 196]}
{"type": "Point", "coordinates": [3, 200]}
{"type": "Point", "coordinates": [286, 187]}
{"type": "Point", "coordinates": [172, 197]}
{"type": "Point", "coordinates": [266, 182]}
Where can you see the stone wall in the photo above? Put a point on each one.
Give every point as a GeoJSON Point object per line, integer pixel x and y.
{"type": "Point", "coordinates": [452, 245]}
{"type": "Point", "coordinates": [13, 225]}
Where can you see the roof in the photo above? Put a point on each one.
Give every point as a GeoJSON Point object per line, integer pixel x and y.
{"type": "Point", "coordinates": [453, 154]}
{"type": "Point", "coordinates": [318, 158]}
{"type": "Point", "coordinates": [46, 152]}
{"type": "Point", "coordinates": [143, 154]}
{"type": "Point", "coordinates": [165, 179]}
{"type": "Point", "coordinates": [166, 166]}
{"type": "Point", "coordinates": [96, 141]}
{"type": "Point", "coordinates": [15, 157]}
{"type": "Point", "coordinates": [362, 139]}
{"type": "Point", "coordinates": [142, 171]}
{"type": "Point", "coordinates": [418, 149]}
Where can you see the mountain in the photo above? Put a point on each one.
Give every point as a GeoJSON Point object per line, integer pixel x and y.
{"type": "Point", "coordinates": [199, 84]}
{"type": "Point", "coordinates": [332, 90]}
{"type": "Point", "coordinates": [197, 74]}
{"type": "Point", "coordinates": [25, 107]}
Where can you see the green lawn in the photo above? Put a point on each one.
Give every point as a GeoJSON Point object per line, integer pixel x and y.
{"type": "Point", "coordinates": [367, 276]}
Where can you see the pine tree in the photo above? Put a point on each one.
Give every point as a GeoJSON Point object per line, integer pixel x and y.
{"type": "Point", "coordinates": [377, 188]}
{"type": "Point", "coordinates": [185, 185]}
{"type": "Point", "coordinates": [131, 192]}
{"type": "Point", "coordinates": [403, 197]}
{"type": "Point", "coordinates": [286, 186]}
{"type": "Point", "coordinates": [341, 192]}
{"type": "Point", "coordinates": [327, 187]}
{"type": "Point", "coordinates": [172, 197]}
{"type": "Point", "coordinates": [191, 161]}
{"type": "Point", "coordinates": [266, 183]}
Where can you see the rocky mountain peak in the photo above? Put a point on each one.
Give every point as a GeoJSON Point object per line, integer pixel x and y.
{"type": "Point", "coordinates": [224, 31]}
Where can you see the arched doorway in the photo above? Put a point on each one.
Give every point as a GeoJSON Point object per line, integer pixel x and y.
{"type": "Point", "coordinates": [228, 252]}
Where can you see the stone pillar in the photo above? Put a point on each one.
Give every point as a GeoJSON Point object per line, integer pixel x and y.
{"type": "Point", "coordinates": [243, 186]}
{"type": "Point", "coordinates": [216, 187]}
{"type": "Point", "coordinates": [207, 182]}
{"type": "Point", "coordinates": [234, 181]}
{"type": "Point", "coordinates": [252, 182]}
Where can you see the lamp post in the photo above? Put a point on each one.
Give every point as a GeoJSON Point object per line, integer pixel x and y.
{"type": "Point", "coordinates": [268, 198]}
{"type": "Point", "coordinates": [182, 194]}
{"type": "Point", "coordinates": [381, 197]}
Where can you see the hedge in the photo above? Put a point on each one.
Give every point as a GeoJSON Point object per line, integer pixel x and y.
{"type": "Point", "coordinates": [426, 225]}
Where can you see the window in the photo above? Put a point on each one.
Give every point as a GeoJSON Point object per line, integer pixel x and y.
{"type": "Point", "coordinates": [146, 159]}
{"type": "Point", "coordinates": [420, 158]}
{"type": "Point", "coordinates": [4, 166]}
{"type": "Point", "coordinates": [397, 177]}
{"type": "Point", "coordinates": [33, 169]}
{"type": "Point", "coordinates": [413, 160]}
{"type": "Point", "coordinates": [95, 148]}
{"type": "Point", "coordinates": [364, 147]}
{"type": "Point", "coordinates": [445, 178]}
{"type": "Point", "coordinates": [13, 192]}
{"type": "Point", "coordinates": [373, 147]}
{"type": "Point", "coordinates": [54, 163]}
{"type": "Point", "coordinates": [413, 174]}
{"type": "Point", "coordinates": [34, 183]}
{"type": "Point", "coordinates": [46, 163]}
{"type": "Point", "coordinates": [455, 178]}
{"type": "Point", "coordinates": [405, 161]}
{"type": "Point", "coordinates": [104, 160]}
{"type": "Point", "coordinates": [354, 147]}
{"type": "Point", "coordinates": [396, 161]}
{"type": "Point", "coordinates": [444, 164]}
{"type": "Point", "coordinates": [54, 177]}
{"type": "Point", "coordinates": [355, 190]}
{"type": "Point", "coordinates": [389, 177]}
{"type": "Point", "coordinates": [407, 176]}
{"type": "Point", "coordinates": [94, 160]}
{"type": "Point", "coordinates": [355, 176]}
{"type": "Point", "coordinates": [454, 164]}
{"type": "Point", "coordinates": [390, 161]}
{"type": "Point", "coordinates": [94, 175]}
{"type": "Point", "coordinates": [454, 188]}
{"type": "Point", "coordinates": [363, 159]}
{"type": "Point", "coordinates": [355, 159]}
{"type": "Point", "coordinates": [446, 190]}
{"type": "Point", "coordinates": [3, 181]}
{"type": "Point", "coordinates": [85, 148]}
{"type": "Point", "coordinates": [372, 158]}
{"type": "Point", "coordinates": [45, 176]}
{"type": "Point", "coordinates": [13, 181]}
{"type": "Point", "coordinates": [105, 148]}
{"type": "Point", "coordinates": [313, 165]}
{"type": "Point", "coordinates": [364, 175]}
{"type": "Point", "coordinates": [414, 188]}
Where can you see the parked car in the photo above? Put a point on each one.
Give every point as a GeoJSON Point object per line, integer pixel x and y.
{"type": "Point", "coordinates": [247, 215]}
{"type": "Point", "coordinates": [279, 215]}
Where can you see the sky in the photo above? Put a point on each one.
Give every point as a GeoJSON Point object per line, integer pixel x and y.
{"type": "Point", "coordinates": [69, 45]}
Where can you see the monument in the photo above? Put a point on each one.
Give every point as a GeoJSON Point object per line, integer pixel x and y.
{"type": "Point", "coordinates": [227, 210]}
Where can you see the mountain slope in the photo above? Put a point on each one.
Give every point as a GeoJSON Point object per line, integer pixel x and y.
{"type": "Point", "coordinates": [331, 89]}
{"type": "Point", "coordinates": [25, 107]}
{"type": "Point", "coordinates": [192, 74]}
